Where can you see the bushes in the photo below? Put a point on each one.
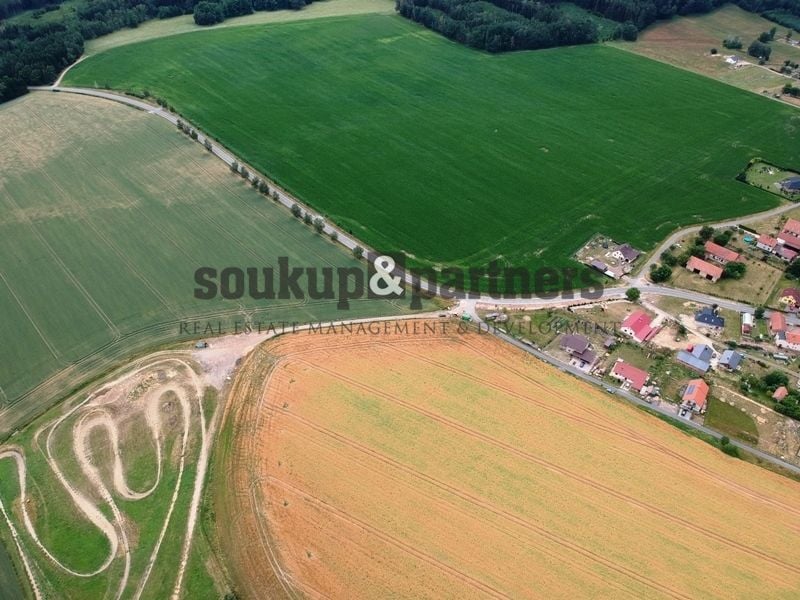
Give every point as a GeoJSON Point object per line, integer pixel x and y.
{"type": "Point", "coordinates": [208, 13]}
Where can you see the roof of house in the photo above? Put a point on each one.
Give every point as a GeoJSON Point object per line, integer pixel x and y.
{"type": "Point", "coordinates": [730, 359]}
{"type": "Point", "coordinates": [792, 293]}
{"type": "Point", "coordinates": [777, 321]}
{"type": "Point", "coordinates": [793, 336]}
{"type": "Point", "coordinates": [792, 226]}
{"type": "Point", "coordinates": [721, 251]}
{"type": "Point", "coordinates": [747, 318]}
{"type": "Point", "coordinates": [786, 252]}
{"type": "Point", "coordinates": [587, 356]}
{"type": "Point", "coordinates": [636, 376]}
{"type": "Point", "coordinates": [639, 322]}
{"type": "Point", "coordinates": [704, 267]}
{"type": "Point", "coordinates": [767, 240]}
{"type": "Point", "coordinates": [628, 252]}
{"type": "Point", "coordinates": [688, 358]}
{"type": "Point", "coordinates": [780, 393]}
{"type": "Point", "coordinates": [574, 342]}
{"type": "Point", "coordinates": [707, 316]}
{"type": "Point", "coordinates": [599, 265]}
{"type": "Point", "coordinates": [697, 392]}
{"type": "Point", "coordinates": [703, 352]}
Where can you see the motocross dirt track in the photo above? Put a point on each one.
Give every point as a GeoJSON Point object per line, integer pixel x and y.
{"type": "Point", "coordinates": [438, 464]}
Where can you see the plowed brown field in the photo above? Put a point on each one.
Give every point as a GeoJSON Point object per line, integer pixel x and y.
{"type": "Point", "coordinates": [454, 466]}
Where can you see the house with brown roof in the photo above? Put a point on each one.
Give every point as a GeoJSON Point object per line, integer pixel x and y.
{"type": "Point", "coordinates": [766, 243]}
{"type": "Point", "coordinates": [790, 297]}
{"type": "Point", "coordinates": [695, 396]}
{"type": "Point", "coordinates": [579, 349]}
{"type": "Point", "coordinates": [720, 254]}
{"type": "Point", "coordinates": [777, 322]}
{"type": "Point", "coordinates": [704, 268]}
{"type": "Point", "coordinates": [629, 375]}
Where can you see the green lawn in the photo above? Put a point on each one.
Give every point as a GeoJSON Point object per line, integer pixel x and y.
{"type": "Point", "coordinates": [459, 157]}
{"type": "Point", "coordinates": [731, 421]}
{"type": "Point", "coordinates": [105, 214]}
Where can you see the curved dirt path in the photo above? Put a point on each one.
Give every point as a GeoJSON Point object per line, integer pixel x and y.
{"type": "Point", "coordinates": [98, 416]}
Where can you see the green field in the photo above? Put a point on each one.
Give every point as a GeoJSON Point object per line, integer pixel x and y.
{"type": "Point", "coordinates": [731, 421]}
{"type": "Point", "coordinates": [459, 157]}
{"type": "Point", "coordinates": [106, 213]}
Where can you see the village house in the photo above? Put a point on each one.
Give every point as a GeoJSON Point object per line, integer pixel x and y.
{"type": "Point", "coordinates": [698, 358]}
{"type": "Point", "coordinates": [790, 339]}
{"type": "Point", "coordinates": [790, 297]}
{"type": "Point", "coordinates": [780, 393]}
{"type": "Point", "coordinates": [730, 360]}
{"type": "Point", "coordinates": [720, 254]}
{"type": "Point", "coordinates": [704, 268]}
{"type": "Point", "coordinates": [708, 316]}
{"type": "Point", "coordinates": [626, 254]}
{"type": "Point", "coordinates": [790, 235]}
{"type": "Point", "coordinates": [766, 243]}
{"type": "Point", "coordinates": [777, 322]}
{"type": "Point", "coordinates": [695, 396]}
{"type": "Point", "coordinates": [791, 185]}
{"type": "Point", "coordinates": [579, 349]}
{"type": "Point", "coordinates": [747, 323]}
{"type": "Point", "coordinates": [629, 375]}
{"type": "Point", "coordinates": [638, 326]}
{"type": "Point", "coordinates": [785, 253]}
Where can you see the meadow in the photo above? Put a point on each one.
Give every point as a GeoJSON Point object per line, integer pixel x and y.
{"type": "Point", "coordinates": [473, 470]}
{"type": "Point", "coordinates": [686, 42]}
{"type": "Point", "coordinates": [106, 213]}
{"type": "Point", "coordinates": [458, 157]}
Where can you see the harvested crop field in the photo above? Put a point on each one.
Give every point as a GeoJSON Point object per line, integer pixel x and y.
{"type": "Point", "coordinates": [439, 464]}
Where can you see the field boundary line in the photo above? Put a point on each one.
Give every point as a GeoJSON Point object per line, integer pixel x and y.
{"type": "Point", "coordinates": [43, 337]}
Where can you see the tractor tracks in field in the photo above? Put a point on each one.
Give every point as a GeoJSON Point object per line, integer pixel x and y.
{"type": "Point", "coordinates": [553, 467]}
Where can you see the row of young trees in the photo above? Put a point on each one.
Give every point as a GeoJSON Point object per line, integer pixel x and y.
{"type": "Point", "coordinates": [34, 52]}
{"type": "Point", "coordinates": [503, 25]}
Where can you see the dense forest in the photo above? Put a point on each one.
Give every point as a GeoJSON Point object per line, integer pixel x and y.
{"type": "Point", "coordinates": [503, 25]}
{"type": "Point", "coordinates": [35, 49]}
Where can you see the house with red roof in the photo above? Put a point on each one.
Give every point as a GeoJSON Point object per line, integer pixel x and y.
{"type": "Point", "coordinates": [629, 375]}
{"type": "Point", "coordinates": [780, 393]}
{"type": "Point", "coordinates": [790, 235]}
{"type": "Point", "coordinates": [695, 396]}
{"type": "Point", "coordinates": [790, 339]}
{"type": "Point", "coordinates": [777, 322]}
{"type": "Point", "coordinates": [720, 254]}
{"type": "Point", "coordinates": [638, 325]}
{"type": "Point", "coordinates": [704, 268]}
{"type": "Point", "coordinates": [785, 252]}
{"type": "Point", "coordinates": [766, 243]}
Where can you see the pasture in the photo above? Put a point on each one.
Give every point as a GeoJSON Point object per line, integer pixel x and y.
{"type": "Point", "coordinates": [106, 214]}
{"type": "Point", "coordinates": [470, 469]}
{"type": "Point", "coordinates": [459, 157]}
{"type": "Point", "coordinates": [687, 41]}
